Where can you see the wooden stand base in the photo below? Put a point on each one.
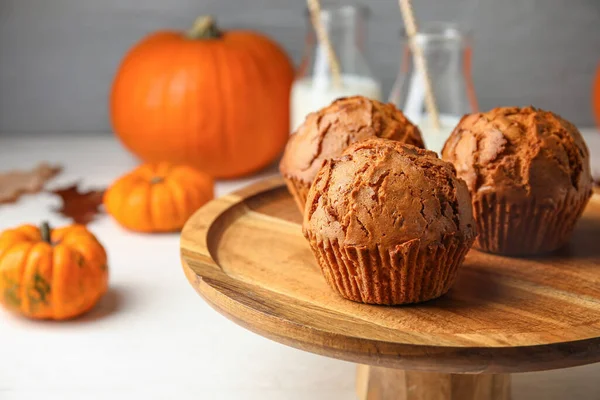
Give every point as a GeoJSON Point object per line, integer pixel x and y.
{"type": "Point", "coordinates": [377, 383]}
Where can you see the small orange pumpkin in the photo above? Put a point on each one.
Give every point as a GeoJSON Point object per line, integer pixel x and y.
{"type": "Point", "coordinates": [158, 197]}
{"type": "Point", "coordinates": [51, 274]}
{"type": "Point", "coordinates": [215, 100]}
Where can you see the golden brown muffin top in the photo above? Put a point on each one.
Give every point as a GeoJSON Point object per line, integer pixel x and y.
{"type": "Point", "coordinates": [384, 193]}
{"type": "Point", "coordinates": [519, 153]}
{"type": "Point", "coordinates": [327, 132]}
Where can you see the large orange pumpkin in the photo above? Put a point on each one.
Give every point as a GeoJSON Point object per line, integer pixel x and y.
{"type": "Point", "coordinates": [51, 274]}
{"type": "Point", "coordinates": [596, 96]}
{"type": "Point", "coordinates": [218, 101]}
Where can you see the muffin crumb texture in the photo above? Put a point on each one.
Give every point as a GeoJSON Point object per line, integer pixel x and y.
{"type": "Point", "coordinates": [528, 172]}
{"type": "Point", "coordinates": [519, 152]}
{"type": "Point", "coordinates": [389, 223]}
{"type": "Point", "coordinates": [329, 131]}
{"type": "Point", "coordinates": [385, 193]}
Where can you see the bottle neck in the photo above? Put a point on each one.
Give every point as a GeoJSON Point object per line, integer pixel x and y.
{"type": "Point", "coordinates": [441, 38]}
{"type": "Point", "coordinates": [346, 29]}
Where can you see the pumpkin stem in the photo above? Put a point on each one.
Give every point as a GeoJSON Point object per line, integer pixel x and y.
{"type": "Point", "coordinates": [45, 231]}
{"type": "Point", "coordinates": [156, 179]}
{"type": "Point", "coordinates": [204, 28]}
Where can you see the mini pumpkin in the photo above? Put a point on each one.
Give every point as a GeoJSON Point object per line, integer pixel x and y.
{"type": "Point", "coordinates": [158, 197]}
{"type": "Point", "coordinates": [51, 274]}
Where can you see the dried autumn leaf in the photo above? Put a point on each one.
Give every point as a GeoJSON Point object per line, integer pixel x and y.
{"type": "Point", "coordinates": [15, 183]}
{"type": "Point", "coordinates": [81, 207]}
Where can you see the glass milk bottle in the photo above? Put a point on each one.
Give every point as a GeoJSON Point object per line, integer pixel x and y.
{"type": "Point", "coordinates": [314, 86]}
{"type": "Point", "coordinates": [447, 50]}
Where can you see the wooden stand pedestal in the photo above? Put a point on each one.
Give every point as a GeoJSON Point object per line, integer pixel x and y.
{"type": "Point", "coordinates": [377, 383]}
{"type": "Point", "coordinates": [245, 255]}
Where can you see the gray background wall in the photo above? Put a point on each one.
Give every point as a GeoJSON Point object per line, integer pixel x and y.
{"type": "Point", "coordinates": [58, 57]}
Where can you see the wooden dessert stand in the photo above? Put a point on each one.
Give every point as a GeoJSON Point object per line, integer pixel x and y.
{"type": "Point", "coordinates": [245, 255]}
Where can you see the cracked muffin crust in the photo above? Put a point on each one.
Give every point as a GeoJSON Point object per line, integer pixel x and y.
{"type": "Point", "coordinates": [328, 132]}
{"type": "Point", "coordinates": [528, 171]}
{"type": "Point", "coordinates": [389, 223]}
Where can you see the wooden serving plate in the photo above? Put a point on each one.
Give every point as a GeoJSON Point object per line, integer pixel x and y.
{"type": "Point", "coordinates": [245, 255]}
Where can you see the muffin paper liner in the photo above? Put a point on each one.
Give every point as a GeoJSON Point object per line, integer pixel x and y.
{"type": "Point", "coordinates": [299, 190]}
{"type": "Point", "coordinates": [406, 274]}
{"type": "Point", "coordinates": [528, 228]}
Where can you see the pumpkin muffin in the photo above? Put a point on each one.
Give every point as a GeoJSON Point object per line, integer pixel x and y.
{"type": "Point", "coordinates": [328, 132]}
{"type": "Point", "coordinates": [389, 223]}
{"type": "Point", "coordinates": [528, 172]}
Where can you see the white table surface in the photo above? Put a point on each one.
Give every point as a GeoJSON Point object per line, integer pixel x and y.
{"type": "Point", "coordinates": [152, 336]}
